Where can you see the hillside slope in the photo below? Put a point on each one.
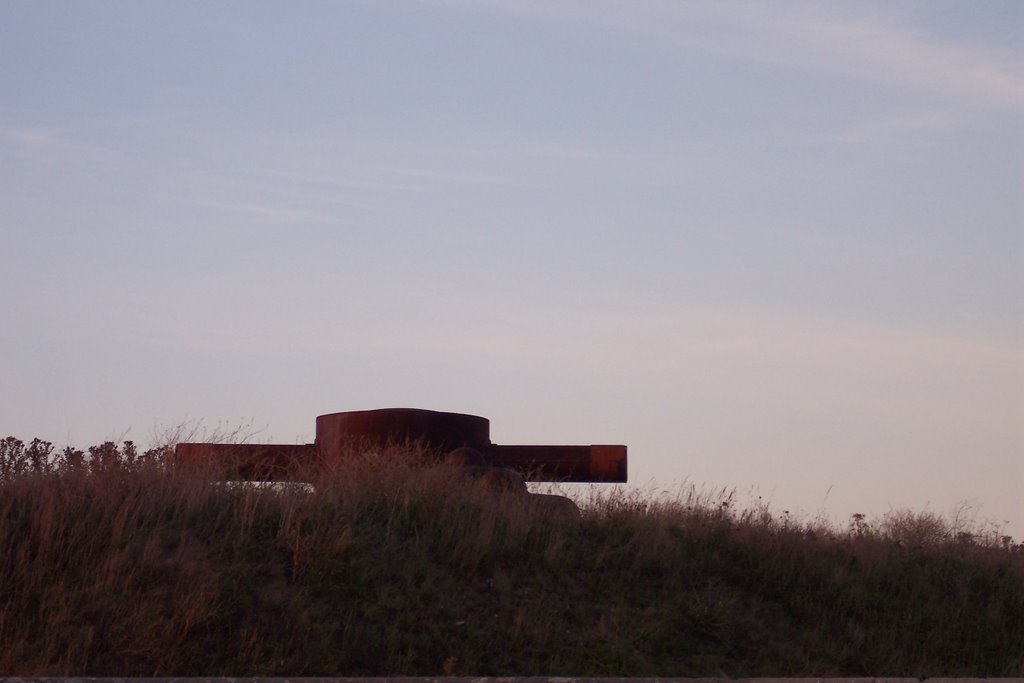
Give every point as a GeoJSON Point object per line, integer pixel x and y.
{"type": "Point", "coordinates": [115, 568]}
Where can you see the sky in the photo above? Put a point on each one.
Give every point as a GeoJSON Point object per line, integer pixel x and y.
{"type": "Point", "coordinates": [776, 247]}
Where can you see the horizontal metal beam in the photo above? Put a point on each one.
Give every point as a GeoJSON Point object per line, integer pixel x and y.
{"type": "Point", "coordinates": [589, 464]}
{"type": "Point", "coordinates": [439, 433]}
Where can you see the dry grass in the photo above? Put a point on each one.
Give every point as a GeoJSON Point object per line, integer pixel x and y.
{"type": "Point", "coordinates": [115, 563]}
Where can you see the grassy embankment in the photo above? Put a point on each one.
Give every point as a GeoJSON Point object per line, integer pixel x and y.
{"type": "Point", "coordinates": [114, 563]}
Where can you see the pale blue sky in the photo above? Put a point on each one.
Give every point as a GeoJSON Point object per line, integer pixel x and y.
{"type": "Point", "coordinates": [773, 245]}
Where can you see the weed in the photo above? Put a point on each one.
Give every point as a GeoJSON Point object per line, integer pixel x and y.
{"type": "Point", "coordinates": [118, 563]}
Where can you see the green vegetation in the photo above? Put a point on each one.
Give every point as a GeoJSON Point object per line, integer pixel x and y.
{"type": "Point", "coordinates": [114, 562]}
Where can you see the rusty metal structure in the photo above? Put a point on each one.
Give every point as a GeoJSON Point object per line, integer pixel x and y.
{"type": "Point", "coordinates": [454, 438]}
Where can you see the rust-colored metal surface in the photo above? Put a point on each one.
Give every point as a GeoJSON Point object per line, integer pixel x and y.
{"type": "Point", "coordinates": [441, 433]}
{"type": "Point", "coordinates": [563, 463]}
{"type": "Point", "coordinates": [434, 429]}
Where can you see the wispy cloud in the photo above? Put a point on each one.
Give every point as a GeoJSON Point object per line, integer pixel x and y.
{"type": "Point", "coordinates": [331, 172]}
{"type": "Point", "coordinates": [881, 49]}
{"type": "Point", "coordinates": [887, 128]}
{"type": "Point", "coordinates": [852, 42]}
{"type": "Point", "coordinates": [47, 146]}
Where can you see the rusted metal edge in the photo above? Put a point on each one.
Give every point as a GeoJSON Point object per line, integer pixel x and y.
{"type": "Point", "coordinates": [593, 464]}
{"type": "Point", "coordinates": [438, 432]}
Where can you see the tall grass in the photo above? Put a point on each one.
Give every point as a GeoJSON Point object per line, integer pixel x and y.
{"type": "Point", "coordinates": [117, 563]}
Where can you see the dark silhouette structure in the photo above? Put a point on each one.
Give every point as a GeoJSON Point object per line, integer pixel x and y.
{"type": "Point", "coordinates": [452, 437]}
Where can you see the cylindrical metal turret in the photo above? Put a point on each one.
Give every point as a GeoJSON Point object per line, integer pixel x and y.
{"type": "Point", "coordinates": [340, 434]}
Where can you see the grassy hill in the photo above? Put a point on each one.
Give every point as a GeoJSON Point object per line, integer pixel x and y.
{"type": "Point", "coordinates": [113, 562]}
